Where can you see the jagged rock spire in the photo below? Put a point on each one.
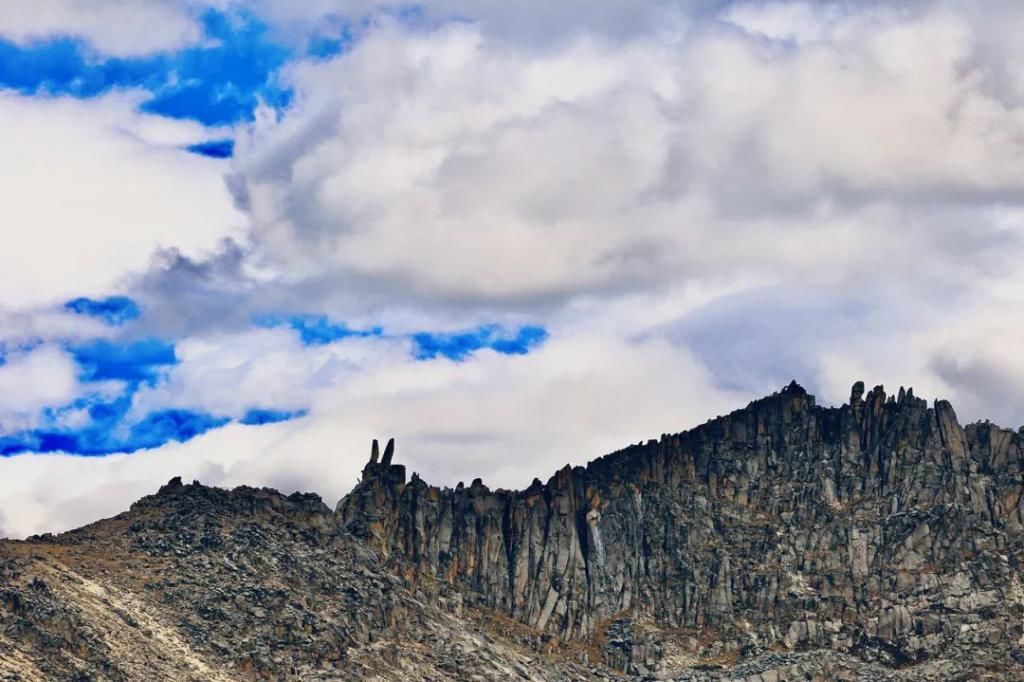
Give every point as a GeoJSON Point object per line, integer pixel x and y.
{"type": "Point", "coordinates": [857, 392]}
{"type": "Point", "coordinates": [389, 452]}
{"type": "Point", "coordinates": [381, 466]}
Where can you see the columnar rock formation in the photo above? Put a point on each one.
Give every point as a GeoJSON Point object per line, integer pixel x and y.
{"type": "Point", "coordinates": [880, 528]}
{"type": "Point", "coordinates": [873, 541]}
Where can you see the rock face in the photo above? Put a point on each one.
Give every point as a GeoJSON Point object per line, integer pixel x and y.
{"type": "Point", "coordinates": [876, 540]}
{"type": "Point", "coordinates": [880, 530]}
{"type": "Point", "coordinates": [198, 583]}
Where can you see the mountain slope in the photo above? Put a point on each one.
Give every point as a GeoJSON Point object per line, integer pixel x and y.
{"type": "Point", "coordinates": [198, 583]}
{"type": "Point", "coordinates": [876, 540]}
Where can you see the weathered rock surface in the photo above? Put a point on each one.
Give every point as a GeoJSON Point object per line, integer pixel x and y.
{"type": "Point", "coordinates": [199, 583]}
{"type": "Point", "coordinates": [880, 531]}
{"type": "Point", "coordinates": [879, 540]}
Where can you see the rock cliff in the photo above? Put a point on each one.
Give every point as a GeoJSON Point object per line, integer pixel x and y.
{"type": "Point", "coordinates": [880, 529]}
{"type": "Point", "coordinates": [876, 540]}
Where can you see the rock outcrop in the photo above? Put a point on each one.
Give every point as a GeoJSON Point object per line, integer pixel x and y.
{"type": "Point", "coordinates": [200, 584]}
{"type": "Point", "coordinates": [880, 530]}
{"type": "Point", "coordinates": [877, 540]}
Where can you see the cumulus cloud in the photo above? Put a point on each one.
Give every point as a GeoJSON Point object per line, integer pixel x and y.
{"type": "Point", "coordinates": [92, 189]}
{"type": "Point", "coordinates": [31, 380]}
{"type": "Point", "coordinates": [110, 26]}
{"type": "Point", "coordinates": [849, 170]}
{"type": "Point", "coordinates": [232, 373]}
{"type": "Point", "coordinates": [597, 167]}
{"type": "Point", "coordinates": [697, 202]}
{"type": "Point", "coordinates": [506, 419]}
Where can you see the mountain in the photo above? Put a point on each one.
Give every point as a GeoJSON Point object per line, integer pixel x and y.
{"type": "Point", "coordinates": [876, 540]}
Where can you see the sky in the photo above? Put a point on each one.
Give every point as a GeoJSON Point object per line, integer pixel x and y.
{"type": "Point", "coordinates": [242, 238]}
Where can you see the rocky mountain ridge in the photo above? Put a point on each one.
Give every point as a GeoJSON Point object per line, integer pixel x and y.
{"type": "Point", "coordinates": [875, 540]}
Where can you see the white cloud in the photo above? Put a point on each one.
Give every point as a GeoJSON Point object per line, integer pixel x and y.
{"type": "Point", "coordinates": [113, 27]}
{"type": "Point", "coordinates": [92, 189]}
{"type": "Point", "coordinates": [31, 380]}
{"type": "Point", "coordinates": [26, 327]}
{"type": "Point", "coordinates": [507, 419]}
{"type": "Point", "coordinates": [698, 211]}
{"type": "Point", "coordinates": [596, 166]}
{"type": "Point", "coordinates": [230, 373]}
{"type": "Point", "coordinates": [53, 492]}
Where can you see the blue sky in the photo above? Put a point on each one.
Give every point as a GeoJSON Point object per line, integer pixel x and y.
{"type": "Point", "coordinates": [114, 310]}
{"type": "Point", "coordinates": [219, 82]}
{"type": "Point", "coordinates": [241, 243]}
{"type": "Point", "coordinates": [108, 425]}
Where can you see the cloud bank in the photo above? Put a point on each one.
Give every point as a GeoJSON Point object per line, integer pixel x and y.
{"type": "Point", "coordinates": [512, 239]}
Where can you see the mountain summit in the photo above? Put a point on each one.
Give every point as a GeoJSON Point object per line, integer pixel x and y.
{"type": "Point", "coordinates": [875, 540]}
